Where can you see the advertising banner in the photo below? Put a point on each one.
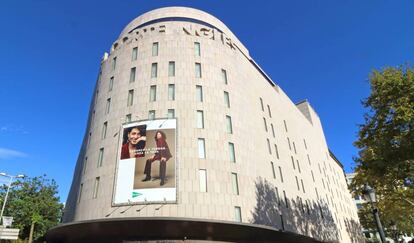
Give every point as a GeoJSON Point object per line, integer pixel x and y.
{"type": "Point", "coordinates": [146, 168]}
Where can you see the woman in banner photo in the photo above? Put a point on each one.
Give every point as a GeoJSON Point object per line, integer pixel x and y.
{"type": "Point", "coordinates": [135, 143]}
{"type": "Point", "coordinates": [162, 154]}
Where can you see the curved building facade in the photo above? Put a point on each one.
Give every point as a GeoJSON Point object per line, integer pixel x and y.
{"type": "Point", "coordinates": [247, 164]}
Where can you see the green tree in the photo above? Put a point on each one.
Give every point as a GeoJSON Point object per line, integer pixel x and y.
{"type": "Point", "coordinates": [33, 201]}
{"type": "Point", "coordinates": [386, 144]}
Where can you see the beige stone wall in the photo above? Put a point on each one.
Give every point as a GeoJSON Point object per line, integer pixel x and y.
{"type": "Point", "coordinates": [246, 86]}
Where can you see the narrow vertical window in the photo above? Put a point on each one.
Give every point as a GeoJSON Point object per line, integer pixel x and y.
{"type": "Point", "coordinates": [281, 175]}
{"type": "Point", "coordinates": [154, 70]}
{"type": "Point", "coordinates": [85, 164]}
{"type": "Point", "coordinates": [108, 106]}
{"type": "Point", "coordinates": [170, 113]}
{"type": "Point", "coordinates": [134, 53]}
{"type": "Point", "coordinates": [113, 63]}
{"type": "Point", "coordinates": [229, 126]}
{"type": "Point", "coordinates": [294, 147]}
{"type": "Point", "coordinates": [268, 110]}
{"type": "Point", "coordinates": [89, 138]}
{"type": "Point", "coordinates": [132, 75]}
{"type": "Point", "coordinates": [171, 92]}
{"type": "Point", "coordinates": [199, 93]}
{"type": "Point", "coordinates": [317, 194]}
{"type": "Point", "coordinates": [224, 76]}
{"type": "Point", "coordinates": [277, 152]}
{"type": "Point", "coordinates": [226, 99]}
{"type": "Point", "coordinates": [265, 124]}
{"type": "Point", "coordinates": [273, 130]}
{"type": "Point", "coordinates": [303, 187]}
{"type": "Point", "coordinates": [261, 104]}
{"type": "Point", "coordinates": [100, 157]}
{"type": "Point", "coordinates": [80, 192]}
{"type": "Point", "coordinates": [268, 146]}
{"type": "Point", "coordinates": [288, 140]}
{"type": "Point", "coordinates": [200, 119]}
{"type": "Point", "coordinates": [201, 148]}
{"type": "Point", "coordinates": [304, 142]}
{"type": "Point", "coordinates": [151, 115]}
{"type": "Point", "coordinates": [308, 159]}
{"type": "Point", "coordinates": [130, 101]}
{"type": "Point", "coordinates": [128, 118]}
{"type": "Point", "coordinates": [286, 199]}
{"type": "Point", "coordinates": [297, 183]}
{"type": "Point", "coordinates": [198, 70]}
{"type": "Point", "coordinates": [313, 177]}
{"type": "Point", "coordinates": [297, 162]}
{"type": "Point", "coordinates": [273, 170]}
{"type": "Point", "coordinates": [197, 49]}
{"type": "Point", "coordinates": [104, 128]}
{"type": "Point", "coordinates": [232, 153]}
{"type": "Point", "coordinates": [111, 84]}
{"type": "Point", "coordinates": [286, 128]}
{"type": "Point", "coordinates": [293, 162]}
{"type": "Point", "coordinates": [235, 183]}
{"type": "Point", "coordinates": [237, 214]}
{"type": "Point", "coordinates": [203, 180]}
{"type": "Point", "coordinates": [171, 69]}
{"type": "Point", "coordinates": [277, 196]}
{"type": "Point", "coordinates": [155, 49]}
{"type": "Point", "coordinates": [153, 93]}
{"type": "Point", "coordinates": [96, 187]}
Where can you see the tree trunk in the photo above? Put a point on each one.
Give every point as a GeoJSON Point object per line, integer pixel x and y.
{"type": "Point", "coordinates": [31, 232]}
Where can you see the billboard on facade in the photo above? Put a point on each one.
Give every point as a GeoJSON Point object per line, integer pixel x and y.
{"type": "Point", "coordinates": [146, 168]}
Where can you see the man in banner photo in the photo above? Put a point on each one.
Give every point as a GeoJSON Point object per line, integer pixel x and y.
{"type": "Point", "coordinates": [134, 143]}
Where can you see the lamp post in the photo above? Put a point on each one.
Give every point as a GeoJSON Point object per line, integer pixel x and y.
{"type": "Point", "coordinates": [8, 189]}
{"type": "Point", "coordinates": [369, 195]}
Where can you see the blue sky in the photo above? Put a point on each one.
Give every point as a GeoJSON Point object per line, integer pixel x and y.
{"type": "Point", "coordinates": [322, 51]}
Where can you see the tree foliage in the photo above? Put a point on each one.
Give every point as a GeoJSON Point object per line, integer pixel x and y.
{"type": "Point", "coordinates": [33, 200]}
{"type": "Point", "coordinates": [386, 144]}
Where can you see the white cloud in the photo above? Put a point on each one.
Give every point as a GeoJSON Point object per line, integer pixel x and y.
{"type": "Point", "coordinates": [10, 153]}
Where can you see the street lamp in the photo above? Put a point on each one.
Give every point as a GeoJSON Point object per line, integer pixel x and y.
{"type": "Point", "coordinates": [369, 195]}
{"type": "Point", "coordinates": [8, 189]}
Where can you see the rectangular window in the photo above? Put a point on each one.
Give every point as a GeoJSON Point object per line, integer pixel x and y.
{"type": "Point", "coordinates": [198, 70]}
{"type": "Point", "coordinates": [153, 93]}
{"type": "Point", "coordinates": [317, 194]}
{"type": "Point", "coordinates": [293, 162]}
{"type": "Point", "coordinates": [85, 164]}
{"type": "Point", "coordinates": [297, 183]}
{"type": "Point", "coordinates": [237, 214]}
{"type": "Point", "coordinates": [288, 140]}
{"type": "Point", "coordinates": [80, 192]}
{"type": "Point", "coordinates": [151, 115]}
{"type": "Point", "coordinates": [268, 146]}
{"type": "Point", "coordinates": [201, 148]}
{"type": "Point", "coordinates": [155, 49]}
{"type": "Point", "coordinates": [313, 177]}
{"type": "Point", "coordinates": [232, 153]}
{"type": "Point", "coordinates": [273, 170]}
{"type": "Point", "coordinates": [284, 122]}
{"type": "Point", "coordinates": [277, 152]}
{"type": "Point", "coordinates": [113, 63]}
{"type": "Point", "coordinates": [303, 187]}
{"type": "Point", "coordinates": [265, 124]}
{"type": "Point", "coordinates": [111, 84]}
{"type": "Point", "coordinates": [261, 104]}
{"type": "Point", "coordinates": [197, 49]}
{"type": "Point", "coordinates": [171, 69]}
{"type": "Point", "coordinates": [273, 130]}
{"type": "Point", "coordinates": [268, 110]}
{"type": "Point", "coordinates": [203, 180]}
{"type": "Point", "coordinates": [130, 101]}
{"type": "Point", "coordinates": [199, 93]}
{"type": "Point", "coordinates": [132, 75]}
{"type": "Point", "coordinates": [286, 200]}
{"type": "Point", "coordinates": [89, 138]}
{"type": "Point", "coordinates": [134, 53]}
{"type": "Point", "coordinates": [104, 128]}
{"type": "Point", "coordinates": [108, 106]}
{"type": "Point", "coordinates": [304, 142]}
{"type": "Point", "coordinates": [171, 92]}
{"type": "Point", "coordinates": [128, 118]}
{"type": "Point", "coordinates": [154, 70]}
{"type": "Point", "coordinates": [226, 99]}
{"type": "Point", "coordinates": [100, 157]}
{"type": "Point", "coordinates": [297, 162]}
{"type": "Point", "coordinates": [308, 159]}
{"type": "Point", "coordinates": [229, 126]}
{"type": "Point", "coordinates": [200, 119]}
{"type": "Point", "coordinates": [277, 196]}
{"type": "Point", "coordinates": [170, 113]}
{"type": "Point", "coordinates": [280, 173]}
{"type": "Point", "coordinates": [224, 76]}
{"type": "Point", "coordinates": [294, 147]}
{"type": "Point", "coordinates": [235, 183]}
{"type": "Point", "coordinates": [96, 187]}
